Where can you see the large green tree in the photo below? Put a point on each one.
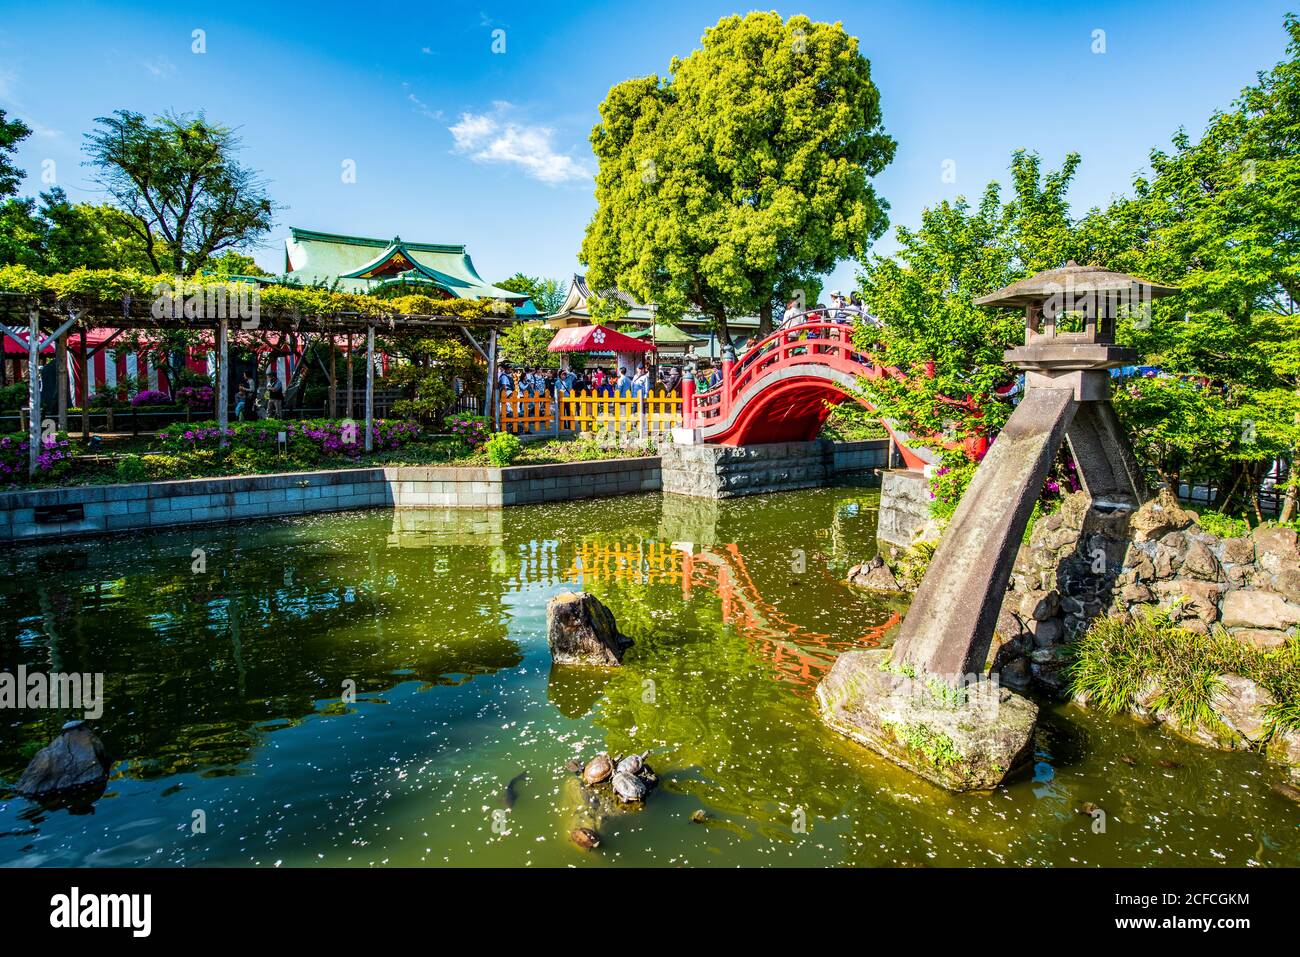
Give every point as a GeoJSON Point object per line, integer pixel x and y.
{"type": "Point", "coordinates": [949, 350]}
{"type": "Point", "coordinates": [726, 185]}
{"type": "Point", "coordinates": [179, 180]}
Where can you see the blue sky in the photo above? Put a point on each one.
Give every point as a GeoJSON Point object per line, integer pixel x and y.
{"type": "Point", "coordinates": [453, 142]}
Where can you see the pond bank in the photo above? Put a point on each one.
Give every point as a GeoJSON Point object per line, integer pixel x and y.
{"type": "Point", "coordinates": [91, 510]}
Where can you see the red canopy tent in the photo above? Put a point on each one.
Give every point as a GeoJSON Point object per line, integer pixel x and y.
{"type": "Point", "coordinates": [595, 339]}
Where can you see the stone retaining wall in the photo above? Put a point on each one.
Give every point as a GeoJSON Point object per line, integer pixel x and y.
{"type": "Point", "coordinates": [725, 471]}
{"type": "Point", "coordinates": [45, 514]}
{"type": "Point", "coordinates": [1081, 563]}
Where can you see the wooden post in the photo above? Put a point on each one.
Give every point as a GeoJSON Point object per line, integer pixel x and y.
{"type": "Point", "coordinates": [370, 387]}
{"type": "Point", "coordinates": [334, 379]}
{"type": "Point", "coordinates": [490, 393]}
{"type": "Point", "coordinates": [349, 402]}
{"type": "Point", "coordinates": [223, 373]}
{"type": "Point", "coordinates": [33, 391]}
{"type": "Point", "coordinates": [61, 379]}
{"type": "Point", "coordinates": [85, 388]}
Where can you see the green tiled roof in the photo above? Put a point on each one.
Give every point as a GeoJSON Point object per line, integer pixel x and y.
{"type": "Point", "coordinates": [343, 261]}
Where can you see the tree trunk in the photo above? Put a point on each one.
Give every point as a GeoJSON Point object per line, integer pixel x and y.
{"type": "Point", "coordinates": [765, 319]}
{"type": "Point", "coordinates": [720, 325]}
{"type": "Point", "coordinates": [1291, 501]}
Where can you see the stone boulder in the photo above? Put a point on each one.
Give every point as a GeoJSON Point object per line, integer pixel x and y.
{"type": "Point", "coordinates": [1241, 704]}
{"type": "Point", "coordinates": [73, 763]}
{"type": "Point", "coordinates": [1199, 562]}
{"type": "Point", "coordinates": [874, 575]}
{"type": "Point", "coordinates": [582, 631]}
{"type": "Point", "coordinates": [961, 739]}
{"type": "Point", "coordinates": [1287, 583]}
{"type": "Point", "coordinates": [1275, 547]}
{"type": "Point", "coordinates": [1261, 639]}
{"type": "Point", "coordinates": [1245, 608]}
{"type": "Point", "coordinates": [1161, 515]}
{"type": "Point", "coordinates": [1284, 748]}
{"type": "Point", "coordinates": [1238, 551]}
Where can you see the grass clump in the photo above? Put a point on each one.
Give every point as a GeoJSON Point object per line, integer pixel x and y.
{"type": "Point", "coordinates": [936, 746]}
{"type": "Point", "coordinates": [1151, 661]}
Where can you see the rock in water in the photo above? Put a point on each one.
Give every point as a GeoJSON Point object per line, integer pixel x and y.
{"type": "Point", "coordinates": [75, 761]}
{"type": "Point", "coordinates": [585, 838]}
{"type": "Point", "coordinates": [582, 631]}
{"type": "Point", "coordinates": [874, 575]}
{"type": "Point", "coordinates": [968, 740]}
{"type": "Point", "coordinates": [629, 787]}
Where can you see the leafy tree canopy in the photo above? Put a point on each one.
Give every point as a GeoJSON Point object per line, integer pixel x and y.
{"type": "Point", "coordinates": [178, 179]}
{"type": "Point", "coordinates": [547, 294]}
{"type": "Point", "coordinates": [723, 187]}
{"type": "Point", "coordinates": [12, 132]}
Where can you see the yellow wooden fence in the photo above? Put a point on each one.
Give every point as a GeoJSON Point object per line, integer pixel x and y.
{"type": "Point", "coordinates": [536, 413]}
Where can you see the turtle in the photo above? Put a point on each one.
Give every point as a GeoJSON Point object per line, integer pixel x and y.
{"type": "Point", "coordinates": [629, 787]}
{"type": "Point", "coordinates": [598, 769]}
{"type": "Point", "coordinates": [633, 763]}
{"type": "Point", "coordinates": [573, 765]}
{"type": "Point", "coordinates": [585, 838]}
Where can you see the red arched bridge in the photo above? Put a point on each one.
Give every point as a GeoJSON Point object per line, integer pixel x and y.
{"type": "Point", "coordinates": [784, 387]}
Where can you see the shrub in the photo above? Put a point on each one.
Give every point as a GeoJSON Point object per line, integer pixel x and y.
{"type": "Point", "coordinates": [130, 468]}
{"type": "Point", "coordinates": [1224, 526]}
{"type": "Point", "coordinates": [147, 397]}
{"type": "Point", "coordinates": [308, 441]}
{"type": "Point", "coordinates": [503, 448]}
{"type": "Point", "coordinates": [53, 460]}
{"type": "Point", "coordinates": [195, 396]}
{"type": "Point", "coordinates": [471, 429]}
{"type": "Point", "coordinates": [13, 397]}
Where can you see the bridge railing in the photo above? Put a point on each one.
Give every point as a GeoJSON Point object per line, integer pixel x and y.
{"type": "Point", "coordinates": [817, 343]}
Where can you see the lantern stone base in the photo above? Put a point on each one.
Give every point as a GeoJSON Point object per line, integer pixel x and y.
{"type": "Point", "coordinates": [962, 739]}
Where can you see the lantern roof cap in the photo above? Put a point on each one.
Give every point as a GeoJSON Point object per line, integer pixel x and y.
{"type": "Point", "coordinates": [1071, 279]}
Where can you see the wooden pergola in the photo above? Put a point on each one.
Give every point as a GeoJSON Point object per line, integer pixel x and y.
{"type": "Point", "coordinates": [33, 322]}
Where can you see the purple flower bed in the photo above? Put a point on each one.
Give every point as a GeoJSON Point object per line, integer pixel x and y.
{"type": "Point", "coordinates": [54, 456]}
{"type": "Point", "coordinates": [308, 441]}
{"type": "Point", "coordinates": [150, 397]}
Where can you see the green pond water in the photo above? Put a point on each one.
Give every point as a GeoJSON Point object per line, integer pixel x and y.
{"type": "Point", "coordinates": [225, 695]}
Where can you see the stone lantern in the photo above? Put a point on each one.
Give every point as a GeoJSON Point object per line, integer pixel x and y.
{"type": "Point", "coordinates": [1070, 316]}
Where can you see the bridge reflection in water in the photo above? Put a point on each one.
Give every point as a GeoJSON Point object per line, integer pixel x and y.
{"type": "Point", "coordinates": [798, 655]}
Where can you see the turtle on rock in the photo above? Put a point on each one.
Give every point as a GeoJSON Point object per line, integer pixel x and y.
{"type": "Point", "coordinates": [628, 787]}
{"type": "Point", "coordinates": [598, 769]}
{"type": "Point", "coordinates": [633, 763]}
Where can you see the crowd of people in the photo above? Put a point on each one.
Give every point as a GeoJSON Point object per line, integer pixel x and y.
{"type": "Point", "coordinates": [597, 380]}
{"type": "Point", "coordinates": [667, 379]}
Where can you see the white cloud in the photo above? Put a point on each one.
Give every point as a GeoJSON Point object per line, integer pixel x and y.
{"type": "Point", "coordinates": [159, 67]}
{"type": "Point", "coordinates": [421, 107]}
{"type": "Point", "coordinates": [492, 138]}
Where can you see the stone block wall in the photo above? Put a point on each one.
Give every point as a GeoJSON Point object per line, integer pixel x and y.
{"type": "Point", "coordinates": [87, 511]}
{"type": "Point", "coordinates": [725, 471]}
